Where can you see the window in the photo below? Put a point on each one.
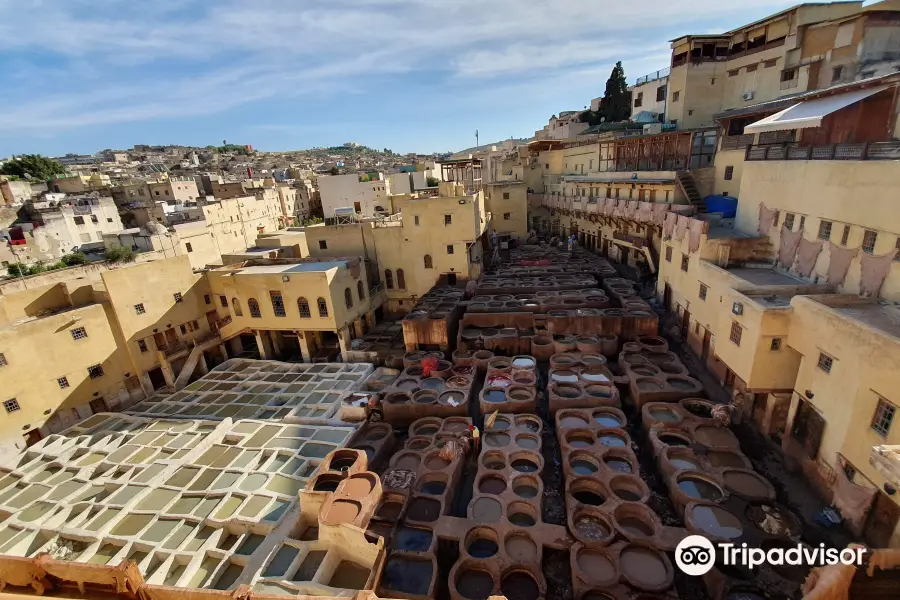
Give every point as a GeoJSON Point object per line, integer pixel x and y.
{"type": "Point", "coordinates": [142, 345]}
{"type": "Point", "coordinates": [85, 237]}
{"type": "Point", "coordinates": [79, 220]}
{"type": "Point", "coordinates": [770, 63]}
{"type": "Point", "coordinates": [789, 221]}
{"type": "Point", "coordinates": [825, 230]}
{"type": "Point", "coordinates": [109, 220]}
{"type": "Point", "coordinates": [95, 372]}
{"type": "Point", "coordinates": [94, 219]}
{"type": "Point", "coordinates": [703, 291]}
{"type": "Point", "coordinates": [323, 307]}
{"type": "Point", "coordinates": [207, 299]}
{"type": "Point", "coordinates": [188, 247]}
{"type": "Point", "coordinates": [236, 306]}
{"type": "Point", "coordinates": [775, 344]}
{"type": "Point", "coordinates": [884, 416]}
{"type": "Point", "coordinates": [661, 93]}
{"type": "Point", "coordinates": [712, 81]}
{"type": "Point", "coordinates": [448, 219]}
{"type": "Point", "coordinates": [690, 112]}
{"type": "Point", "coordinates": [734, 72]}
{"type": "Point", "coordinates": [736, 333]}
{"type": "Point", "coordinates": [449, 248]}
{"type": "Point", "coordinates": [506, 195]}
{"type": "Point", "coordinates": [845, 236]}
{"type": "Point", "coordinates": [63, 382]}
{"type": "Point", "coordinates": [668, 253]}
{"type": "Point", "coordinates": [11, 405]}
{"type": "Point", "coordinates": [323, 245]}
{"type": "Point", "coordinates": [777, 215]}
{"type": "Point", "coordinates": [360, 291]}
{"type": "Point", "coordinates": [79, 333]}
{"type": "Point", "coordinates": [417, 220]}
{"type": "Point", "coordinates": [183, 329]}
{"type": "Point", "coordinates": [388, 279]}
{"type": "Point", "coordinates": [825, 362]}
{"type": "Point", "coordinates": [223, 301]}
{"type": "Point", "coordinates": [788, 75]}
{"type": "Point", "coordinates": [277, 304]}
{"type": "Point", "coordinates": [684, 262]}
{"type": "Point", "coordinates": [429, 264]}
{"type": "Point", "coordinates": [676, 96]}
{"type": "Point", "coordinates": [157, 192]}
{"type": "Point", "coordinates": [139, 309]}
{"type": "Point", "coordinates": [836, 73]}
{"type": "Point", "coordinates": [348, 297]}
{"type": "Point", "coordinates": [639, 100]}
{"type": "Point", "coordinates": [752, 68]}
{"type": "Point", "coordinates": [177, 296]}
{"type": "Point", "coordinates": [802, 221]}
{"type": "Point", "coordinates": [401, 279]}
{"type": "Point", "coordinates": [253, 305]}
{"type": "Point", "coordinates": [508, 216]}
{"type": "Point", "coordinates": [303, 307]}
{"type": "Point", "coordinates": [868, 244]}
{"type": "Point", "coordinates": [729, 173]}
{"type": "Point", "coordinates": [3, 362]}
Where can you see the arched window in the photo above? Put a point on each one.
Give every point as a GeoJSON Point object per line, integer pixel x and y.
{"type": "Point", "coordinates": [236, 305]}
{"type": "Point", "coordinates": [428, 263]}
{"type": "Point", "coordinates": [360, 290]}
{"type": "Point", "coordinates": [253, 305]}
{"type": "Point", "coordinates": [348, 298]}
{"type": "Point", "coordinates": [388, 279]}
{"type": "Point", "coordinates": [323, 307]}
{"type": "Point", "coordinates": [303, 307]}
{"type": "Point", "coordinates": [401, 279]}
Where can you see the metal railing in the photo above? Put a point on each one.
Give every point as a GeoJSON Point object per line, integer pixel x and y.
{"type": "Point", "coordinates": [653, 76]}
{"type": "Point", "coordinates": [860, 151]}
{"type": "Point", "coordinates": [735, 142]}
{"type": "Point", "coordinates": [174, 349]}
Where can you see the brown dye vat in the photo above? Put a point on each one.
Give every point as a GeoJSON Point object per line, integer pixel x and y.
{"type": "Point", "coordinates": [596, 567]}
{"type": "Point", "coordinates": [525, 487]}
{"type": "Point", "coordinates": [435, 462]}
{"type": "Point", "coordinates": [748, 484]}
{"type": "Point", "coordinates": [713, 521]}
{"type": "Point", "coordinates": [342, 511]}
{"type": "Point", "coordinates": [474, 584]}
{"type": "Point", "coordinates": [434, 486]}
{"type": "Point", "coordinates": [357, 487]}
{"type": "Point", "coordinates": [697, 486]}
{"type": "Point", "coordinates": [425, 510]}
{"type": "Point", "coordinates": [494, 461]}
{"type": "Point", "coordinates": [645, 568]}
{"type": "Point", "coordinates": [520, 548]}
{"type": "Point", "coordinates": [408, 460]}
{"type": "Point", "coordinates": [418, 443]}
{"type": "Point", "coordinates": [521, 514]}
{"type": "Point", "coordinates": [592, 527]}
{"type": "Point", "coordinates": [670, 438]}
{"type": "Point", "coordinates": [407, 384]}
{"type": "Point", "coordinates": [724, 458]}
{"type": "Point", "coordinates": [398, 397]}
{"type": "Point", "coordinates": [564, 376]}
{"type": "Point", "coordinates": [580, 438]}
{"type": "Point", "coordinates": [481, 543]}
{"type": "Point", "coordinates": [496, 440]}
{"type": "Point", "coordinates": [519, 585]}
{"type": "Point", "coordinates": [526, 378]}
{"type": "Point", "coordinates": [711, 435]}
{"type": "Point", "coordinates": [572, 420]}
{"type": "Point", "coordinates": [425, 397]}
{"type": "Point", "coordinates": [629, 489]}
{"type": "Point", "coordinates": [492, 485]}
{"type": "Point", "coordinates": [458, 382]}
{"type": "Point", "coordinates": [635, 521]}
{"type": "Point", "coordinates": [486, 510]}
{"type": "Point", "coordinates": [645, 370]}
{"type": "Point", "coordinates": [413, 371]}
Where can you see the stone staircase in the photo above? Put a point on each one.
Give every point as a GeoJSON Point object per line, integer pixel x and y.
{"type": "Point", "coordinates": [689, 187]}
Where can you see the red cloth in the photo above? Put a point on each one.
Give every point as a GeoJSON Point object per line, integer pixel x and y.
{"type": "Point", "coordinates": [429, 364]}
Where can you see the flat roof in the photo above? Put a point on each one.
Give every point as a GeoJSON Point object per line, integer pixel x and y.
{"type": "Point", "coordinates": [884, 317]}
{"type": "Point", "coordinates": [765, 276]}
{"type": "Point", "coordinates": [310, 267]}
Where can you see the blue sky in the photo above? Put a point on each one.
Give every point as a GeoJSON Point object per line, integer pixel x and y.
{"type": "Point", "coordinates": [410, 75]}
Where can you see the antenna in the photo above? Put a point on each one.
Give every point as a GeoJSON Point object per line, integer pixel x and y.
{"type": "Point", "coordinates": [476, 138]}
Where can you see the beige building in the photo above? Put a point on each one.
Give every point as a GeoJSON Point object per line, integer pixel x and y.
{"type": "Point", "coordinates": [14, 193]}
{"type": "Point", "coordinates": [648, 95]}
{"type": "Point", "coordinates": [365, 194]}
{"type": "Point", "coordinates": [793, 306]}
{"type": "Point", "coordinates": [79, 184]}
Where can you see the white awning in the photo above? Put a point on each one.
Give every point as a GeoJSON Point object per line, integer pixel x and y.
{"type": "Point", "coordinates": [810, 112]}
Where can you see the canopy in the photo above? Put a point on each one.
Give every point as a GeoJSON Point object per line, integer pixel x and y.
{"type": "Point", "coordinates": [810, 113]}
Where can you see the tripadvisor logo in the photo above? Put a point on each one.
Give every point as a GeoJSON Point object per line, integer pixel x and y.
{"type": "Point", "coordinates": [696, 555]}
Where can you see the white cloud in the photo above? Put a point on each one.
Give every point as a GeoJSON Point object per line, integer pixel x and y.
{"type": "Point", "coordinates": [78, 63]}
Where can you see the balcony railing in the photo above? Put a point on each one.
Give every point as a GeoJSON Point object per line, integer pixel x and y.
{"type": "Point", "coordinates": [790, 83]}
{"type": "Point", "coordinates": [635, 240]}
{"type": "Point", "coordinates": [862, 151]}
{"type": "Point", "coordinates": [174, 349]}
{"type": "Point", "coordinates": [734, 142]}
{"type": "Point", "coordinates": [653, 76]}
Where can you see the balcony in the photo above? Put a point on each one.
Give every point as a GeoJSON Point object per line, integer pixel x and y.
{"type": "Point", "coordinates": [637, 241]}
{"type": "Point", "coordinates": [862, 151]}
{"type": "Point", "coordinates": [653, 76]}
{"type": "Point", "coordinates": [736, 142]}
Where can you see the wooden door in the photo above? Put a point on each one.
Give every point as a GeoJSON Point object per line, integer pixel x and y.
{"type": "Point", "coordinates": [211, 320]}
{"type": "Point", "coordinates": [667, 298]}
{"type": "Point", "coordinates": [685, 324]}
{"type": "Point", "coordinates": [642, 195]}
{"type": "Point", "coordinates": [171, 336]}
{"type": "Point", "coordinates": [99, 405]}
{"type": "Point", "coordinates": [652, 195]}
{"type": "Point", "coordinates": [704, 353]}
{"type": "Point", "coordinates": [882, 521]}
{"type": "Point", "coordinates": [160, 341]}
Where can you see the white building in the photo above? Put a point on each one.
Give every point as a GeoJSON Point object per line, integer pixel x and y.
{"type": "Point", "coordinates": [74, 222]}
{"type": "Point", "coordinates": [649, 95]}
{"type": "Point", "coordinates": [348, 191]}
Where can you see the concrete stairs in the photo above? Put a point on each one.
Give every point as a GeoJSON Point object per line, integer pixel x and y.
{"type": "Point", "coordinates": [189, 365]}
{"type": "Point", "coordinates": [689, 187]}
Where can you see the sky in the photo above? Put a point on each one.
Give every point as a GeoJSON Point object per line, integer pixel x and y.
{"type": "Point", "coordinates": [410, 75]}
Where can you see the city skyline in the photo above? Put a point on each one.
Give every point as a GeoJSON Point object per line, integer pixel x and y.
{"type": "Point", "coordinates": [410, 75]}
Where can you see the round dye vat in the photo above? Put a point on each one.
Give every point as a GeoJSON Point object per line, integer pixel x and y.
{"type": "Point", "coordinates": [644, 567]}
{"type": "Point", "coordinates": [699, 489]}
{"type": "Point", "coordinates": [520, 586]}
{"type": "Point", "coordinates": [610, 440]}
{"type": "Point", "coordinates": [521, 548]}
{"type": "Point", "coordinates": [572, 422]}
{"type": "Point", "coordinates": [474, 585]}
{"type": "Point", "coordinates": [618, 464]}
{"type": "Point", "coordinates": [589, 498]}
{"type": "Point", "coordinates": [750, 485]}
{"type": "Point", "coordinates": [482, 548]}
{"type": "Point", "coordinates": [409, 462]}
{"type": "Point", "coordinates": [424, 509]}
{"type": "Point", "coordinates": [494, 464]}
{"type": "Point", "coordinates": [528, 442]}
{"type": "Point", "coordinates": [529, 424]}
{"type": "Point", "coordinates": [454, 426]}
{"type": "Point", "coordinates": [583, 467]}
{"type": "Point", "coordinates": [492, 485]}
{"type": "Point", "coordinates": [665, 415]}
{"type": "Point", "coordinates": [486, 510]}
{"type": "Point", "coordinates": [564, 377]}
{"type": "Point", "coordinates": [607, 419]}
{"type": "Point", "coordinates": [435, 488]}
{"type": "Point", "coordinates": [635, 526]}
{"type": "Point", "coordinates": [627, 494]}
{"type": "Point", "coordinates": [716, 521]}
{"type": "Point", "coordinates": [700, 409]}
{"type": "Point", "coordinates": [680, 384]}
{"type": "Point", "coordinates": [521, 519]}
{"type": "Point", "coordinates": [579, 440]}
{"type": "Point", "coordinates": [722, 458]}
{"type": "Point", "coordinates": [595, 567]}
{"type": "Point", "coordinates": [435, 462]}
{"type": "Point", "coordinates": [670, 439]}
{"type": "Point", "coordinates": [523, 362]}
{"type": "Point", "coordinates": [427, 430]}
{"type": "Point", "coordinates": [523, 465]}
{"type": "Point", "coordinates": [684, 463]}
{"type": "Point", "coordinates": [591, 528]}
{"type": "Point", "coordinates": [501, 424]}
{"type": "Point", "coordinates": [496, 440]}
{"type": "Point", "coordinates": [525, 489]}
{"type": "Point", "coordinates": [494, 396]}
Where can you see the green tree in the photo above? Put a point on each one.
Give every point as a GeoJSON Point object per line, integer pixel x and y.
{"type": "Point", "coordinates": [616, 102]}
{"type": "Point", "coordinates": [335, 171]}
{"type": "Point", "coordinates": [17, 270]}
{"type": "Point", "coordinates": [76, 258]}
{"type": "Point", "coordinates": [32, 166]}
{"type": "Point", "coordinates": [432, 181]}
{"type": "Point", "coordinates": [119, 254]}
